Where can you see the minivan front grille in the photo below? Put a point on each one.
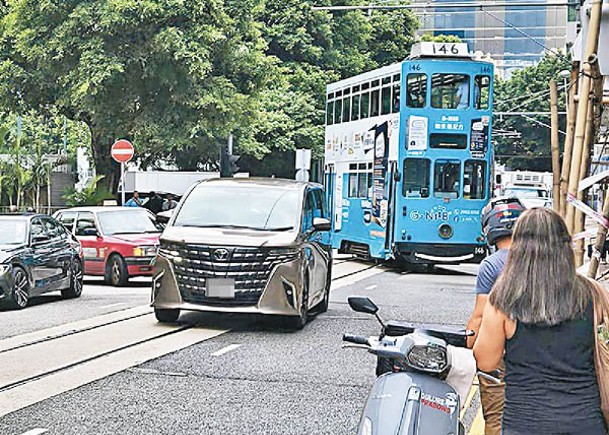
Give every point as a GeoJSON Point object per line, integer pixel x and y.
{"type": "Point", "coordinates": [249, 267]}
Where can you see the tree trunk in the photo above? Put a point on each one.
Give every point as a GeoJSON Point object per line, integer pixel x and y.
{"type": "Point", "coordinates": [104, 164]}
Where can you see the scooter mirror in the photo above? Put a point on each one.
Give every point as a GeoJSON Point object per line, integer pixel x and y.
{"type": "Point", "coordinates": [362, 304]}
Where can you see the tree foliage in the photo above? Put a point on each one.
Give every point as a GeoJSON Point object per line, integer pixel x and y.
{"type": "Point", "coordinates": [177, 76]}
{"type": "Point", "coordinates": [527, 90]}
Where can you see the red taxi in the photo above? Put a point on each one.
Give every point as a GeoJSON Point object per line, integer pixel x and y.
{"type": "Point", "coordinates": [118, 242]}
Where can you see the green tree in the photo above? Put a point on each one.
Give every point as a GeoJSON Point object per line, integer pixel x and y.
{"type": "Point", "coordinates": [527, 90]}
{"type": "Point", "coordinates": [174, 76]}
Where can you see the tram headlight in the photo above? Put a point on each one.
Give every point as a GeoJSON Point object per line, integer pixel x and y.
{"type": "Point", "coordinates": [445, 231]}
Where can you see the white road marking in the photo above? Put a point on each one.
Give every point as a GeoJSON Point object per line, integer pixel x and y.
{"type": "Point", "coordinates": [113, 305]}
{"type": "Point", "coordinates": [36, 431]}
{"type": "Point", "coordinates": [226, 349]}
{"type": "Point", "coordinates": [371, 287]}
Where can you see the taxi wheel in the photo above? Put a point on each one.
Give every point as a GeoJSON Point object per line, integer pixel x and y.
{"type": "Point", "coordinates": [299, 322]}
{"type": "Point", "coordinates": [20, 294]}
{"type": "Point", "coordinates": [166, 316]}
{"type": "Point", "coordinates": [76, 277]}
{"type": "Point", "coordinates": [116, 271]}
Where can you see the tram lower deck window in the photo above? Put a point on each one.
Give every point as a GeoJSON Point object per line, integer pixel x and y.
{"type": "Point", "coordinates": [416, 178]}
{"type": "Point", "coordinates": [447, 178]}
{"type": "Point", "coordinates": [474, 179]}
{"type": "Point", "coordinates": [448, 140]}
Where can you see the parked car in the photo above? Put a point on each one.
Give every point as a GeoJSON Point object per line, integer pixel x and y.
{"type": "Point", "coordinates": [118, 242]}
{"type": "Point", "coordinates": [37, 255]}
{"type": "Point", "coordinates": [246, 246]}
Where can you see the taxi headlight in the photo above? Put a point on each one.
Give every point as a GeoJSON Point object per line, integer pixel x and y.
{"type": "Point", "coordinates": [144, 251]}
{"type": "Point", "coordinates": [428, 358]}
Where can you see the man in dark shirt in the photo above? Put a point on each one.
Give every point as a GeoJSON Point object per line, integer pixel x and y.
{"type": "Point", "coordinates": [498, 220]}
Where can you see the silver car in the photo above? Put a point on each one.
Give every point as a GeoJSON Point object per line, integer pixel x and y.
{"type": "Point", "coordinates": [246, 246]}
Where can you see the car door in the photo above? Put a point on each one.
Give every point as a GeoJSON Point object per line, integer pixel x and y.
{"type": "Point", "coordinates": [321, 239]}
{"type": "Point", "coordinates": [39, 259]}
{"type": "Point", "coordinates": [87, 232]}
{"type": "Point", "coordinates": [314, 252]}
{"type": "Point", "coordinates": [59, 254]}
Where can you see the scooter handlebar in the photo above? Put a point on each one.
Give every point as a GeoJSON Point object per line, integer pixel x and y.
{"type": "Point", "coordinates": [357, 339]}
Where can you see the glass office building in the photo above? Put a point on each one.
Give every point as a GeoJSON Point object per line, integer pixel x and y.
{"type": "Point", "coordinates": [514, 36]}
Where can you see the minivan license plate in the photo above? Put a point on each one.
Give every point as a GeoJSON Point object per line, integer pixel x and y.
{"type": "Point", "coordinates": [220, 288]}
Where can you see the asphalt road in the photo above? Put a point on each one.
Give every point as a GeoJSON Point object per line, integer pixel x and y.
{"type": "Point", "coordinates": [256, 379]}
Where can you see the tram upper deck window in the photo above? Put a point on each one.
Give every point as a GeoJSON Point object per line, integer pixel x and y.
{"type": "Point", "coordinates": [355, 108]}
{"type": "Point", "coordinates": [330, 112]}
{"type": "Point", "coordinates": [346, 108]}
{"type": "Point", "coordinates": [416, 178]}
{"type": "Point", "coordinates": [447, 178]}
{"type": "Point", "coordinates": [374, 102]}
{"type": "Point", "coordinates": [386, 100]}
{"type": "Point", "coordinates": [416, 91]}
{"type": "Point", "coordinates": [365, 105]}
{"type": "Point", "coordinates": [338, 111]}
{"type": "Point", "coordinates": [482, 92]}
{"type": "Point", "coordinates": [474, 179]}
{"type": "Point", "coordinates": [450, 91]}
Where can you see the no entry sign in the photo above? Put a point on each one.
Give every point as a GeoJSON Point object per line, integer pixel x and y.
{"type": "Point", "coordinates": [122, 151]}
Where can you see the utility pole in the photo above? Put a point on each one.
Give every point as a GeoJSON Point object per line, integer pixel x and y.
{"type": "Point", "coordinates": [555, 146]}
{"type": "Point", "coordinates": [582, 109]}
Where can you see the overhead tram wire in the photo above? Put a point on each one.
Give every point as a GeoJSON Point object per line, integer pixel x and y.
{"type": "Point", "coordinates": [447, 5]}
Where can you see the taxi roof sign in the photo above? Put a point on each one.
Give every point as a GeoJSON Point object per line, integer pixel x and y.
{"type": "Point", "coordinates": [440, 49]}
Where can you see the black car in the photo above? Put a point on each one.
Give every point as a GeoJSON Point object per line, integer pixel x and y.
{"type": "Point", "coordinates": [37, 255]}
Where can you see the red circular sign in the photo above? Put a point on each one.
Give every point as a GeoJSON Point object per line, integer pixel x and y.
{"type": "Point", "coordinates": [122, 151]}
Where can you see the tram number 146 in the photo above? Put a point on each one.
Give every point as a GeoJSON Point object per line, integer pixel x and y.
{"type": "Point", "coordinates": [445, 49]}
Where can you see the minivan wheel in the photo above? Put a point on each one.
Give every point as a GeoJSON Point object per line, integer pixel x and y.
{"type": "Point", "coordinates": [166, 316]}
{"type": "Point", "coordinates": [299, 322]}
{"type": "Point", "coordinates": [116, 271]}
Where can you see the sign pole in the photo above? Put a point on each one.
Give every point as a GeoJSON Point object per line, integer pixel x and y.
{"type": "Point", "coordinates": [123, 183]}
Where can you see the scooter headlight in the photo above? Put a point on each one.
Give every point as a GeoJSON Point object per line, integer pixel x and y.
{"type": "Point", "coordinates": [428, 358]}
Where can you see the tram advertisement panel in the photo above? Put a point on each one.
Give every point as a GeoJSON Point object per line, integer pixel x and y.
{"type": "Point", "coordinates": [381, 154]}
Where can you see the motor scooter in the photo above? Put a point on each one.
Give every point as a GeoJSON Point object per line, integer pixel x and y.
{"type": "Point", "coordinates": [411, 395]}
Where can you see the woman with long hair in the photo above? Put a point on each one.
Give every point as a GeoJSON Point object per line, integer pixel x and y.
{"type": "Point", "coordinates": [539, 317]}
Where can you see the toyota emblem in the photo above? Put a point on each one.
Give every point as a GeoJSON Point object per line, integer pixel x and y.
{"type": "Point", "coordinates": [220, 254]}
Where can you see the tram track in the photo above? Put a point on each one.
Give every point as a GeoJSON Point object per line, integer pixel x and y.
{"type": "Point", "coordinates": [42, 359]}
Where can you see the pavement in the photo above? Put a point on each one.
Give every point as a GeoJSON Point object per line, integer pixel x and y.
{"type": "Point", "coordinates": [216, 374]}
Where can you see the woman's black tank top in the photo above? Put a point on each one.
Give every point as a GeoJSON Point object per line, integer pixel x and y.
{"type": "Point", "coordinates": [551, 385]}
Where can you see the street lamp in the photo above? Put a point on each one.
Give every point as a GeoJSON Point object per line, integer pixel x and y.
{"type": "Point", "coordinates": [565, 74]}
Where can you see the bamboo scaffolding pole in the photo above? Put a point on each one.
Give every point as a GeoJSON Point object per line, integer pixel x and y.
{"type": "Point", "coordinates": [582, 109]}
{"type": "Point", "coordinates": [580, 217]}
{"type": "Point", "coordinates": [555, 146]}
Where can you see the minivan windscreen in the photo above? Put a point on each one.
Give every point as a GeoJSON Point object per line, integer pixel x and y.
{"type": "Point", "coordinates": [251, 207]}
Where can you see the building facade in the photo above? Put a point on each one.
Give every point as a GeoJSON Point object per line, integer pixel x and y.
{"type": "Point", "coordinates": [514, 36]}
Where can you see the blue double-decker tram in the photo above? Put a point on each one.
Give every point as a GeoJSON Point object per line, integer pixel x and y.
{"type": "Point", "coordinates": [408, 157]}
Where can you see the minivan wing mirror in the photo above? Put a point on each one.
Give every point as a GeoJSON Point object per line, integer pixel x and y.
{"type": "Point", "coordinates": [164, 216]}
{"type": "Point", "coordinates": [322, 224]}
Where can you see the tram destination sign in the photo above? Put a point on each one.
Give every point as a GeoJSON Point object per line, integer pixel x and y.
{"type": "Point", "coordinates": [440, 49]}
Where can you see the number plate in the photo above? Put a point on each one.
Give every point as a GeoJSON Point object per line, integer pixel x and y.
{"type": "Point", "coordinates": [220, 288]}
